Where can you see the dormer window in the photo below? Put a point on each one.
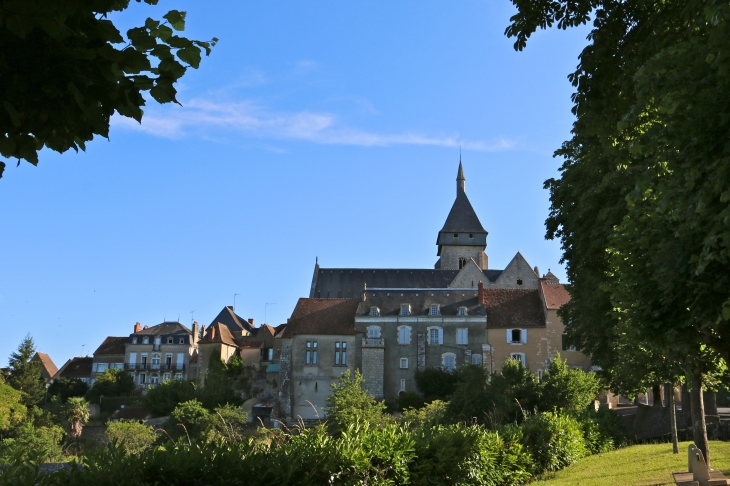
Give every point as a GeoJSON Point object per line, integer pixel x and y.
{"type": "Point", "coordinates": [182, 340]}
{"type": "Point", "coordinates": [145, 340]}
{"type": "Point", "coordinates": [169, 340]}
{"type": "Point", "coordinates": [134, 340]}
{"type": "Point", "coordinates": [374, 312]}
{"type": "Point", "coordinates": [461, 311]}
{"type": "Point", "coordinates": [456, 235]}
{"type": "Point", "coordinates": [433, 310]}
{"type": "Point", "coordinates": [405, 310]}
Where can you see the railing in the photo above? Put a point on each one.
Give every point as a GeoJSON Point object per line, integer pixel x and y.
{"type": "Point", "coordinates": [150, 366]}
{"type": "Point", "coordinates": [373, 342]}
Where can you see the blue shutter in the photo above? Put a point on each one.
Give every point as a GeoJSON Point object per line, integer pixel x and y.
{"type": "Point", "coordinates": [441, 335]}
{"type": "Point", "coordinates": [524, 336]}
{"type": "Point", "coordinates": [509, 335]}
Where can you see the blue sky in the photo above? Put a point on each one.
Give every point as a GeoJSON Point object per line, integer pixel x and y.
{"type": "Point", "coordinates": [315, 129]}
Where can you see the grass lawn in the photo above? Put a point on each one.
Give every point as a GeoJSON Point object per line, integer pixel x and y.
{"type": "Point", "coordinates": [650, 464]}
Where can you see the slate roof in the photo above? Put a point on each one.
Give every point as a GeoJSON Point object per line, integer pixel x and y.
{"type": "Point", "coordinates": [233, 321]}
{"type": "Point", "coordinates": [112, 345]}
{"type": "Point", "coordinates": [556, 295]}
{"type": "Point", "coordinates": [49, 368]}
{"type": "Point", "coordinates": [322, 316]}
{"type": "Point", "coordinates": [449, 300]}
{"type": "Point", "coordinates": [165, 328]}
{"type": "Point", "coordinates": [462, 218]}
{"type": "Point", "coordinates": [218, 333]}
{"type": "Point", "coordinates": [507, 308]}
{"type": "Point", "coordinates": [349, 282]}
{"type": "Point", "coordinates": [79, 367]}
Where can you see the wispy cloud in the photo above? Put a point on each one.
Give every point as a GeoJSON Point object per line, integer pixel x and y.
{"type": "Point", "coordinates": [199, 116]}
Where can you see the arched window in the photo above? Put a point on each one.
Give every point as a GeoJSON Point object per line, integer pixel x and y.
{"type": "Point", "coordinates": [462, 262]}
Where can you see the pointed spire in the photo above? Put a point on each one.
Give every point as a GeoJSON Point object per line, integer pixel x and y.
{"type": "Point", "coordinates": [460, 179]}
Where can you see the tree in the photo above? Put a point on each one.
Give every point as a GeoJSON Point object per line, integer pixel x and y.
{"type": "Point", "coordinates": [112, 383]}
{"type": "Point", "coordinates": [25, 374]}
{"type": "Point", "coordinates": [641, 206]}
{"type": "Point", "coordinates": [219, 385]}
{"type": "Point", "coordinates": [77, 414]}
{"type": "Point", "coordinates": [349, 403]}
{"type": "Point", "coordinates": [436, 383]}
{"type": "Point", "coordinates": [163, 398]}
{"type": "Point", "coordinates": [67, 388]}
{"type": "Point", "coordinates": [12, 411]}
{"type": "Point", "coordinates": [67, 69]}
{"type": "Point", "coordinates": [565, 389]}
{"type": "Point", "coordinates": [188, 419]}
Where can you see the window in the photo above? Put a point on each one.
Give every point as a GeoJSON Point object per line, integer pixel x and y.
{"type": "Point", "coordinates": [566, 346]}
{"type": "Point", "coordinates": [476, 359]}
{"type": "Point", "coordinates": [340, 353]}
{"type": "Point", "coordinates": [311, 356]}
{"type": "Point", "coordinates": [519, 281]}
{"type": "Point", "coordinates": [100, 367]}
{"type": "Point", "coordinates": [462, 262]}
{"type": "Point", "coordinates": [456, 235]}
{"type": "Point", "coordinates": [517, 336]}
{"type": "Point", "coordinates": [404, 335]}
{"type": "Point", "coordinates": [168, 360]}
{"type": "Point", "coordinates": [166, 377]}
{"type": "Point", "coordinates": [539, 375]}
{"type": "Point", "coordinates": [374, 311]}
{"type": "Point", "coordinates": [145, 340]}
{"type": "Point", "coordinates": [156, 359]}
{"type": "Point", "coordinates": [405, 310]}
{"type": "Point", "coordinates": [404, 363]}
{"type": "Point", "coordinates": [155, 379]}
{"type": "Point", "coordinates": [178, 376]}
{"type": "Point", "coordinates": [448, 361]}
{"type": "Point", "coordinates": [373, 332]}
{"type": "Point", "coordinates": [519, 357]}
{"type": "Point", "coordinates": [434, 310]}
{"type": "Point", "coordinates": [461, 311]}
{"type": "Point", "coordinates": [142, 379]}
{"type": "Point", "coordinates": [134, 340]}
{"type": "Point", "coordinates": [471, 235]}
{"type": "Point", "coordinates": [462, 336]}
{"type": "Point", "coordinates": [435, 335]}
{"type": "Point", "coordinates": [169, 340]}
{"type": "Point", "coordinates": [403, 384]}
{"type": "Point", "coordinates": [182, 340]}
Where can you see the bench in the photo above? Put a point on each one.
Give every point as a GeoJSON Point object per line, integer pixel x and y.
{"type": "Point", "coordinates": [699, 474]}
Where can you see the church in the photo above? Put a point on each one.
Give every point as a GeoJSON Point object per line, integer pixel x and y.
{"type": "Point", "coordinates": [390, 322]}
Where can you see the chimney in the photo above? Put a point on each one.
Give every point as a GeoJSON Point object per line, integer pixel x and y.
{"type": "Point", "coordinates": [196, 332]}
{"type": "Point", "coordinates": [480, 290]}
{"type": "Point", "coordinates": [146, 327]}
{"type": "Point", "coordinates": [202, 331]}
{"type": "Point", "coordinates": [137, 327]}
{"type": "Point", "coordinates": [230, 307]}
{"type": "Point", "coordinates": [250, 322]}
{"type": "Point", "coordinates": [211, 331]}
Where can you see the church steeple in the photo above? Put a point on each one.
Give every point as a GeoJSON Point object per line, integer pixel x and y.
{"type": "Point", "coordinates": [460, 179]}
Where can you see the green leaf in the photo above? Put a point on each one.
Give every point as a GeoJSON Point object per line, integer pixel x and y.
{"type": "Point", "coordinates": [176, 19]}
{"type": "Point", "coordinates": [10, 109]}
{"type": "Point", "coordinates": [141, 39]}
{"type": "Point", "coordinates": [2, 169]}
{"type": "Point", "coordinates": [164, 91]}
{"type": "Point", "coordinates": [190, 55]}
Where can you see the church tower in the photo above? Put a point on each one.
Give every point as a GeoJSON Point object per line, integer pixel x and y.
{"type": "Point", "coordinates": [463, 237]}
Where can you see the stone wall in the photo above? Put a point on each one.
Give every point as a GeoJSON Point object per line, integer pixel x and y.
{"type": "Point", "coordinates": [285, 385]}
{"type": "Point", "coordinates": [450, 256]}
{"type": "Point", "coordinates": [373, 365]}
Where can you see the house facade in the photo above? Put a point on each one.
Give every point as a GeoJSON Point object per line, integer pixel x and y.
{"type": "Point", "coordinates": [109, 355]}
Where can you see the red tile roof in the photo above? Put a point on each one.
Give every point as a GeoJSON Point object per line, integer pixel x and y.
{"type": "Point", "coordinates": [322, 316]}
{"type": "Point", "coordinates": [49, 368]}
{"type": "Point", "coordinates": [555, 295]}
{"type": "Point", "coordinates": [508, 308]}
{"type": "Point", "coordinates": [218, 333]}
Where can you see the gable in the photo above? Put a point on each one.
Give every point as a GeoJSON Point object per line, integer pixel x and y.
{"type": "Point", "coordinates": [518, 268]}
{"type": "Point", "coordinates": [469, 276]}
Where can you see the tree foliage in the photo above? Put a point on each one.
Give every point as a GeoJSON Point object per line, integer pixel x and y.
{"type": "Point", "coordinates": [67, 69]}
{"type": "Point", "coordinates": [67, 388]}
{"type": "Point", "coordinates": [77, 414]}
{"type": "Point", "coordinates": [112, 383]}
{"type": "Point", "coordinates": [349, 403]}
{"type": "Point", "coordinates": [25, 374]}
{"type": "Point", "coordinates": [131, 435]}
{"type": "Point", "coordinates": [12, 411]}
{"type": "Point", "coordinates": [163, 398]}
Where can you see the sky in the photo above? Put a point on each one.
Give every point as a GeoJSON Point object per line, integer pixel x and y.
{"type": "Point", "coordinates": [327, 130]}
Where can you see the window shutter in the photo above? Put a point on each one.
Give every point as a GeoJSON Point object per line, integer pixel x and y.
{"type": "Point", "coordinates": [509, 335]}
{"type": "Point", "coordinates": [524, 336]}
{"type": "Point", "coordinates": [563, 342]}
{"type": "Point", "coordinates": [441, 335]}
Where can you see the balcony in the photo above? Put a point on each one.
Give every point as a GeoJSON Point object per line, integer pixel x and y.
{"type": "Point", "coordinates": [373, 343]}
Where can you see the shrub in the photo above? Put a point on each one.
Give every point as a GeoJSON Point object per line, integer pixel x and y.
{"type": "Point", "coordinates": [427, 416]}
{"type": "Point", "coordinates": [408, 400]}
{"type": "Point", "coordinates": [67, 388]}
{"type": "Point", "coordinates": [436, 384]}
{"type": "Point", "coordinates": [131, 435]}
{"type": "Point", "coordinates": [77, 414]}
{"type": "Point", "coordinates": [227, 424]}
{"type": "Point", "coordinates": [603, 430]}
{"type": "Point", "coordinates": [553, 440]}
{"type": "Point", "coordinates": [112, 383]}
{"type": "Point", "coordinates": [12, 412]}
{"type": "Point", "coordinates": [163, 398]}
{"type": "Point", "coordinates": [41, 443]}
{"type": "Point", "coordinates": [349, 403]}
{"type": "Point", "coordinates": [189, 418]}
{"type": "Point", "coordinates": [566, 389]}
{"type": "Point", "coordinates": [218, 389]}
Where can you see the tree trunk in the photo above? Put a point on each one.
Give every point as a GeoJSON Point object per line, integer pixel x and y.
{"type": "Point", "coordinates": [75, 429]}
{"type": "Point", "coordinates": [673, 418]}
{"type": "Point", "coordinates": [699, 427]}
{"type": "Point", "coordinates": [656, 390]}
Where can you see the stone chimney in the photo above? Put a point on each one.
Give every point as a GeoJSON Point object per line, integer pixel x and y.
{"type": "Point", "coordinates": [211, 331]}
{"type": "Point", "coordinates": [202, 331]}
{"type": "Point", "coordinates": [137, 327]}
{"type": "Point", "coordinates": [145, 327]}
{"type": "Point", "coordinates": [250, 322]}
{"type": "Point", "coordinates": [196, 332]}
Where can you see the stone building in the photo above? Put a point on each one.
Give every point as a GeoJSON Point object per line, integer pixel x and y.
{"type": "Point", "coordinates": [109, 355]}
{"type": "Point", "coordinates": [316, 348]}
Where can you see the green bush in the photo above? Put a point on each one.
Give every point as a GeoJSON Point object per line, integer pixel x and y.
{"type": "Point", "coordinates": [67, 388]}
{"type": "Point", "coordinates": [163, 398]}
{"type": "Point", "coordinates": [227, 424]}
{"type": "Point", "coordinates": [436, 383]}
{"type": "Point", "coordinates": [41, 443]}
{"type": "Point", "coordinates": [553, 440]}
{"type": "Point", "coordinates": [603, 430]}
{"type": "Point", "coordinates": [112, 383]}
{"type": "Point", "coordinates": [349, 403]}
{"type": "Point", "coordinates": [188, 419]}
{"type": "Point", "coordinates": [427, 416]}
{"type": "Point", "coordinates": [131, 435]}
{"type": "Point", "coordinates": [408, 400]}
{"type": "Point", "coordinates": [565, 389]}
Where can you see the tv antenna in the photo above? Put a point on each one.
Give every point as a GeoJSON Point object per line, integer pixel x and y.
{"type": "Point", "coordinates": [192, 316]}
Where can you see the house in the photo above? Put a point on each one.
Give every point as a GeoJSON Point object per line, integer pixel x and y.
{"type": "Point", "coordinates": [316, 349]}
{"type": "Point", "coordinates": [78, 368]}
{"type": "Point", "coordinates": [161, 352]}
{"type": "Point", "coordinates": [109, 355]}
{"type": "Point", "coordinates": [48, 367]}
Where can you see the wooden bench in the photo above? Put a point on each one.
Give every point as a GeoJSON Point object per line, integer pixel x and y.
{"type": "Point", "coordinates": [699, 474]}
